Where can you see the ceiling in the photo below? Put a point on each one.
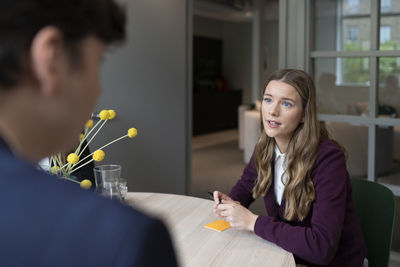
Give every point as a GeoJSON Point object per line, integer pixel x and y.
{"type": "Point", "coordinates": [235, 4]}
{"type": "Point", "coordinates": [233, 10]}
{"type": "Point", "coordinates": [230, 10]}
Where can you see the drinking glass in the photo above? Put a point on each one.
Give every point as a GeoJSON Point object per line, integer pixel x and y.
{"type": "Point", "coordinates": [123, 187]}
{"type": "Point", "coordinates": [107, 180]}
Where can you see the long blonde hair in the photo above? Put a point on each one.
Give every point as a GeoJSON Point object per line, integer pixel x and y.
{"type": "Point", "coordinates": [301, 152]}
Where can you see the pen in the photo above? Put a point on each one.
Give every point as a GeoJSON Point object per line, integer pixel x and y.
{"type": "Point", "coordinates": [212, 197]}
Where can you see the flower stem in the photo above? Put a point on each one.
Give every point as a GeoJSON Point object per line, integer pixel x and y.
{"type": "Point", "coordinates": [92, 137]}
{"type": "Point", "coordinates": [78, 149]}
{"type": "Point", "coordinates": [112, 142]}
{"type": "Point", "coordinates": [81, 165]}
{"type": "Point", "coordinates": [71, 180]}
{"type": "Point", "coordinates": [91, 130]}
{"type": "Point", "coordinates": [103, 147]}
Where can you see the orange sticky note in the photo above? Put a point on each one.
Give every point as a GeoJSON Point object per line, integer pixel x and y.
{"type": "Point", "coordinates": [218, 225]}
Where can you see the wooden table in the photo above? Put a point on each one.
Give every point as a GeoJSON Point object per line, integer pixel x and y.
{"type": "Point", "coordinates": [199, 246]}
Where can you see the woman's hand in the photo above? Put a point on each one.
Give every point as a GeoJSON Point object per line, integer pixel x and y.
{"type": "Point", "coordinates": [238, 216]}
{"type": "Point", "coordinates": [219, 198]}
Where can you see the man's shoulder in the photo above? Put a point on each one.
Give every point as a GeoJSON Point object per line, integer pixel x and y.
{"type": "Point", "coordinates": [53, 217]}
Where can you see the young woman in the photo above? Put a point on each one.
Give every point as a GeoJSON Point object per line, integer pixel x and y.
{"type": "Point", "coordinates": [301, 174]}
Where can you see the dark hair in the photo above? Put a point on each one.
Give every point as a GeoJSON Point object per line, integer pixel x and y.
{"type": "Point", "coordinates": [21, 20]}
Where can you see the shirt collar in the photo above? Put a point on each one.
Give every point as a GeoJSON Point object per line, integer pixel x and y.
{"type": "Point", "coordinates": [278, 153]}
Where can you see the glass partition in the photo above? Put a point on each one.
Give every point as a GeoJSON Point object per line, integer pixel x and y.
{"type": "Point", "coordinates": [354, 138]}
{"type": "Point", "coordinates": [389, 89]}
{"type": "Point", "coordinates": [342, 85]}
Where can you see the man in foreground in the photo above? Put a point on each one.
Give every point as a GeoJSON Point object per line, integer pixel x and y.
{"type": "Point", "coordinates": [50, 52]}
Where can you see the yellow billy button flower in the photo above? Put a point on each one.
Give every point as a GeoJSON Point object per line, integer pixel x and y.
{"type": "Point", "coordinates": [98, 155]}
{"type": "Point", "coordinates": [89, 124]}
{"type": "Point", "coordinates": [54, 169]}
{"type": "Point", "coordinates": [104, 115]}
{"type": "Point", "coordinates": [112, 114]}
{"type": "Point", "coordinates": [81, 137]}
{"type": "Point", "coordinates": [132, 132]}
{"type": "Point", "coordinates": [73, 158]}
{"type": "Point", "coordinates": [86, 184]}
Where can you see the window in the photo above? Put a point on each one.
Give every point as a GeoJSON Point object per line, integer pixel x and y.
{"type": "Point", "coordinates": [386, 5]}
{"type": "Point", "coordinates": [355, 55]}
{"type": "Point", "coordinates": [352, 6]}
{"type": "Point", "coordinates": [385, 34]}
{"type": "Point", "coordinates": [352, 33]}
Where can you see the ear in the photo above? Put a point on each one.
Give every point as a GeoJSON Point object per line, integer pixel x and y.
{"type": "Point", "coordinates": [46, 59]}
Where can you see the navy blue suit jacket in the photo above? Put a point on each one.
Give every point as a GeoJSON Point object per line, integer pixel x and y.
{"type": "Point", "coordinates": [45, 221]}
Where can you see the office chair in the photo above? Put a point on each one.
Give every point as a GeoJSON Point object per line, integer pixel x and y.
{"type": "Point", "coordinates": [375, 206]}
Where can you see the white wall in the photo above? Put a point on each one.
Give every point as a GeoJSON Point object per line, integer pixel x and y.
{"type": "Point", "coordinates": [145, 81]}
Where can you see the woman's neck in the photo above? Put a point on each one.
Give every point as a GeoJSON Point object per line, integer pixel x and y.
{"type": "Point", "coordinates": [282, 145]}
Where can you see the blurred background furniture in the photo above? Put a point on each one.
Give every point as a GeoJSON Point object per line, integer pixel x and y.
{"type": "Point", "coordinates": [241, 110]}
{"type": "Point", "coordinates": [215, 102]}
{"type": "Point", "coordinates": [249, 128]}
{"type": "Point", "coordinates": [251, 133]}
{"type": "Point", "coordinates": [375, 208]}
{"type": "Point", "coordinates": [215, 110]}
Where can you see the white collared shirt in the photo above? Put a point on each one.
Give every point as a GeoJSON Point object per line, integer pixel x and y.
{"type": "Point", "coordinates": [44, 164]}
{"type": "Point", "coordinates": [280, 167]}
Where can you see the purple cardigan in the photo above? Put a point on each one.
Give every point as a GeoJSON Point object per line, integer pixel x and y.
{"type": "Point", "coordinates": [331, 234]}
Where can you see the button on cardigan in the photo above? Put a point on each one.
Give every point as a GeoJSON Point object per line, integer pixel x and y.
{"type": "Point", "coordinates": [331, 234]}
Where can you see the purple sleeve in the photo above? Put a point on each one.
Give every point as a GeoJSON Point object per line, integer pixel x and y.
{"type": "Point", "coordinates": [316, 243]}
{"type": "Point", "coordinates": [242, 190]}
